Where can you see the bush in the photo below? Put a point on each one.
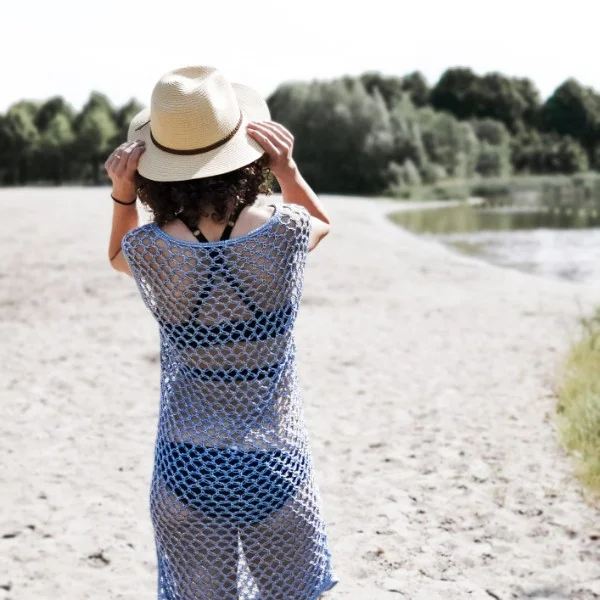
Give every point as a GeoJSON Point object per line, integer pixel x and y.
{"type": "Point", "coordinates": [493, 188]}
{"type": "Point", "coordinates": [493, 161]}
{"type": "Point", "coordinates": [402, 179]}
{"type": "Point", "coordinates": [433, 173]}
{"type": "Point", "coordinates": [549, 153]}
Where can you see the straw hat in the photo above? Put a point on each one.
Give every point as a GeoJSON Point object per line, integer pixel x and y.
{"type": "Point", "coordinates": [196, 126]}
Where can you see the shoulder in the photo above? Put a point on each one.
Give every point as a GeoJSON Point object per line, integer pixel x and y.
{"type": "Point", "coordinates": [139, 232]}
{"type": "Point", "coordinates": [136, 238]}
{"type": "Point", "coordinates": [295, 224]}
{"type": "Point", "coordinates": [256, 215]}
{"type": "Point", "coordinates": [292, 218]}
{"type": "Point", "coordinates": [295, 216]}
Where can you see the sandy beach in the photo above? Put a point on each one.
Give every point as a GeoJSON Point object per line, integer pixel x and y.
{"type": "Point", "coordinates": [428, 381]}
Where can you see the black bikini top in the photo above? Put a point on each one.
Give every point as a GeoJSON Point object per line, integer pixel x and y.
{"type": "Point", "coordinates": [226, 232]}
{"type": "Point", "coordinates": [263, 325]}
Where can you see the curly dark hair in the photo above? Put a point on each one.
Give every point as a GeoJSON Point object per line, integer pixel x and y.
{"type": "Point", "coordinates": [226, 194]}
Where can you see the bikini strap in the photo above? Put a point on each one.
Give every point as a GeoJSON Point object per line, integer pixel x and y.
{"type": "Point", "coordinates": [226, 232]}
{"type": "Point", "coordinates": [231, 223]}
{"type": "Point", "coordinates": [197, 234]}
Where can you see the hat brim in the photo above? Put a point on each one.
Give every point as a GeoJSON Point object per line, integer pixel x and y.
{"type": "Point", "coordinates": [239, 151]}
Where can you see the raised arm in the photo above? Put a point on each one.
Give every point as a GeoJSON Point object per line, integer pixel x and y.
{"type": "Point", "coordinates": [278, 143]}
{"type": "Point", "coordinates": [121, 166]}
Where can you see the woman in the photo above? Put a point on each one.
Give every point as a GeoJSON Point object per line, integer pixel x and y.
{"type": "Point", "coordinates": [234, 504]}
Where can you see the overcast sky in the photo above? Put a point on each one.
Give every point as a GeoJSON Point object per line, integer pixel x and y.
{"type": "Point", "coordinates": [121, 47]}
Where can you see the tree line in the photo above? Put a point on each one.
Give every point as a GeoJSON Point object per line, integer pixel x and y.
{"type": "Point", "coordinates": [371, 134]}
{"type": "Point", "coordinates": [374, 134]}
{"type": "Point", "coordinates": [49, 142]}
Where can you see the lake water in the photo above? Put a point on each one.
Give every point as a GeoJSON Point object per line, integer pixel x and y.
{"type": "Point", "coordinates": [562, 243]}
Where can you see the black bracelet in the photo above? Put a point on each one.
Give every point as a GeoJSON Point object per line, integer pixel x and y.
{"type": "Point", "coordinates": [124, 203]}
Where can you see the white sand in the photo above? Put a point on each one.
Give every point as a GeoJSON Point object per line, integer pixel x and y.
{"type": "Point", "coordinates": [428, 381]}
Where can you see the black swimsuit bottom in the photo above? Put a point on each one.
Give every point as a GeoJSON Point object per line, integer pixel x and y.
{"type": "Point", "coordinates": [230, 485]}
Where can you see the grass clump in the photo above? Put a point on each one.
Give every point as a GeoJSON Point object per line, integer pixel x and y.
{"type": "Point", "coordinates": [579, 403]}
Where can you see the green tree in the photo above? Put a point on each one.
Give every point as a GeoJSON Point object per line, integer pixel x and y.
{"type": "Point", "coordinates": [449, 143]}
{"type": "Point", "coordinates": [29, 107]}
{"type": "Point", "coordinates": [97, 100]}
{"type": "Point", "coordinates": [343, 133]}
{"type": "Point", "coordinates": [531, 101]}
{"type": "Point", "coordinates": [407, 136]}
{"type": "Point", "coordinates": [49, 109]}
{"type": "Point", "coordinates": [402, 178]}
{"type": "Point", "coordinates": [572, 158]}
{"type": "Point", "coordinates": [514, 102]}
{"type": "Point", "coordinates": [433, 173]}
{"type": "Point", "coordinates": [549, 153]}
{"type": "Point", "coordinates": [595, 158]}
{"type": "Point", "coordinates": [19, 139]}
{"type": "Point", "coordinates": [95, 130]}
{"type": "Point", "coordinates": [417, 87]}
{"type": "Point", "coordinates": [54, 121]}
{"type": "Point", "coordinates": [454, 92]}
{"type": "Point", "coordinates": [392, 89]}
{"type": "Point", "coordinates": [491, 131]}
{"type": "Point", "coordinates": [573, 110]}
{"type": "Point", "coordinates": [494, 159]}
{"type": "Point", "coordinates": [56, 145]}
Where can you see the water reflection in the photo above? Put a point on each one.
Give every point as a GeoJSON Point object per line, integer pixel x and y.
{"type": "Point", "coordinates": [562, 243]}
{"type": "Point", "coordinates": [465, 219]}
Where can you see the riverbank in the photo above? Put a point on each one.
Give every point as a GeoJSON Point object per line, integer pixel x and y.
{"type": "Point", "coordinates": [429, 383]}
{"type": "Point", "coordinates": [580, 190]}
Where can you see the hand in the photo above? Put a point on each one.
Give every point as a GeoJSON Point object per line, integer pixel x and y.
{"type": "Point", "coordinates": [278, 143]}
{"type": "Point", "coordinates": [121, 166]}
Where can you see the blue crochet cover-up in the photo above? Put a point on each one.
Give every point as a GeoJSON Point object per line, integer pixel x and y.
{"type": "Point", "coordinates": [233, 500]}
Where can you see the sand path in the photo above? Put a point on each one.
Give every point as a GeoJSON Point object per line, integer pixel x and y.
{"type": "Point", "coordinates": [428, 382]}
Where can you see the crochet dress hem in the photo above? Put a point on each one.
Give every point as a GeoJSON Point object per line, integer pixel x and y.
{"type": "Point", "coordinates": [328, 584]}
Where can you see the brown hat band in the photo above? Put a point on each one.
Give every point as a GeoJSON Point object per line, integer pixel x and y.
{"type": "Point", "coordinates": [198, 150]}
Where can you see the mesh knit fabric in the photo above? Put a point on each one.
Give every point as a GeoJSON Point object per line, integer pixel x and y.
{"type": "Point", "coordinates": [233, 500]}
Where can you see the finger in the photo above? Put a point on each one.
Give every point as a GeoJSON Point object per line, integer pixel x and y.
{"type": "Point", "coordinates": [111, 158]}
{"type": "Point", "coordinates": [264, 141]}
{"type": "Point", "coordinates": [115, 154]}
{"type": "Point", "coordinates": [123, 157]}
{"type": "Point", "coordinates": [119, 149]}
{"type": "Point", "coordinates": [134, 157]}
{"type": "Point", "coordinates": [280, 130]}
{"type": "Point", "coordinates": [271, 135]}
{"type": "Point", "coordinates": [110, 163]}
{"type": "Point", "coordinates": [275, 134]}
